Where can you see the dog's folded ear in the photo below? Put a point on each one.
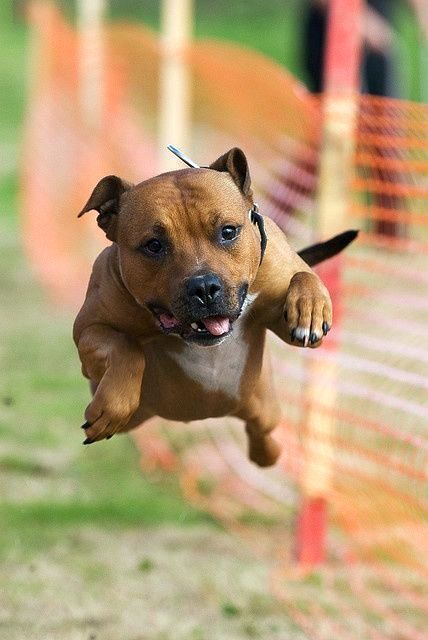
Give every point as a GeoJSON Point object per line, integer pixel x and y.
{"type": "Point", "coordinates": [105, 199]}
{"type": "Point", "coordinates": [235, 163]}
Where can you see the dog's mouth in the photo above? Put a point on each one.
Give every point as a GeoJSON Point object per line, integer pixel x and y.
{"type": "Point", "coordinates": [206, 331]}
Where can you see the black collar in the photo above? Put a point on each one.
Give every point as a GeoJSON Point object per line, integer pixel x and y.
{"type": "Point", "coordinates": [257, 219]}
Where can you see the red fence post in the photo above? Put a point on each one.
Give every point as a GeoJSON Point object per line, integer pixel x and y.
{"type": "Point", "coordinates": [341, 74]}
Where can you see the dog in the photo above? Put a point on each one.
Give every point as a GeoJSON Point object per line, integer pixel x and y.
{"type": "Point", "coordinates": [177, 308]}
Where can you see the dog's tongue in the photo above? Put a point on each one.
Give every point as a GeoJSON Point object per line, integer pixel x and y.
{"type": "Point", "coordinates": [217, 325]}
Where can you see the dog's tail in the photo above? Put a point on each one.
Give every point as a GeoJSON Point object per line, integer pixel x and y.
{"type": "Point", "coordinates": [321, 251]}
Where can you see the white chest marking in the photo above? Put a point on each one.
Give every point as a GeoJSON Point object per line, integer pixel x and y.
{"type": "Point", "coordinates": [218, 368]}
{"type": "Point", "coordinates": [249, 299]}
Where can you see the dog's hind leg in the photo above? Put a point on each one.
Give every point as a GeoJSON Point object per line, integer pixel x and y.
{"type": "Point", "coordinates": [262, 415]}
{"type": "Point", "coordinates": [262, 448]}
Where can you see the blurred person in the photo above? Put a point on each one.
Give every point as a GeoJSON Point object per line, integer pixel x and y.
{"type": "Point", "coordinates": [377, 73]}
{"type": "Point", "coordinates": [378, 38]}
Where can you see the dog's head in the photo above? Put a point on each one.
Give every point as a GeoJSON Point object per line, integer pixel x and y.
{"type": "Point", "coordinates": [187, 247]}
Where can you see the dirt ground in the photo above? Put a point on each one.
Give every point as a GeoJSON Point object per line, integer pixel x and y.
{"type": "Point", "coordinates": [148, 584]}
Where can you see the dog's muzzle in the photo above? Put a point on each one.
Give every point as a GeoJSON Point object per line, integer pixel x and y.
{"type": "Point", "coordinates": [202, 315]}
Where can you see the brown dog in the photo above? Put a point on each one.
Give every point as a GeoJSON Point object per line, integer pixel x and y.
{"type": "Point", "coordinates": [177, 308]}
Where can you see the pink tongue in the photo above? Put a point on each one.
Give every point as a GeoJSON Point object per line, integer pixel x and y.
{"type": "Point", "coordinates": [217, 325]}
{"type": "Point", "coordinates": [169, 322]}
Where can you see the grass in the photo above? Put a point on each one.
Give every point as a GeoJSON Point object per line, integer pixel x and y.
{"type": "Point", "coordinates": [12, 79]}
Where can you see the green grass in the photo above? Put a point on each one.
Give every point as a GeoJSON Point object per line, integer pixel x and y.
{"type": "Point", "coordinates": [150, 507]}
{"type": "Point", "coordinates": [13, 39]}
{"type": "Point", "coordinates": [271, 28]}
{"type": "Point", "coordinates": [12, 79]}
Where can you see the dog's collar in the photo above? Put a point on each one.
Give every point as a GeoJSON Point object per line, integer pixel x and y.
{"type": "Point", "coordinates": [257, 219]}
{"type": "Point", "coordinates": [254, 213]}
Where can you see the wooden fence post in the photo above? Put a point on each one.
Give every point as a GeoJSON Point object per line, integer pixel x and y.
{"type": "Point", "coordinates": [175, 98]}
{"type": "Point", "coordinates": [91, 62]}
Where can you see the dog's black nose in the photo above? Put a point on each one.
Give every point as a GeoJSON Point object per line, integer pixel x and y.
{"type": "Point", "coordinates": [204, 289]}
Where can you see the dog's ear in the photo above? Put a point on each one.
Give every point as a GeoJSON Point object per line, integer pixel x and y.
{"type": "Point", "coordinates": [105, 199]}
{"type": "Point", "coordinates": [235, 163]}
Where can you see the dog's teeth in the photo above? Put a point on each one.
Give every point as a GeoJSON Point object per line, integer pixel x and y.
{"type": "Point", "coordinates": [198, 326]}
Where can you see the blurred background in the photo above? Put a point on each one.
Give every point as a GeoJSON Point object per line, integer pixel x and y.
{"type": "Point", "coordinates": [172, 533]}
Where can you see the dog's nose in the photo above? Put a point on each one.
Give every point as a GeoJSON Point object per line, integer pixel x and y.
{"type": "Point", "coordinates": [204, 289]}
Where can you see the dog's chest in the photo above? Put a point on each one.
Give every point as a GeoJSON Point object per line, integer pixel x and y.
{"type": "Point", "coordinates": [215, 369]}
{"type": "Point", "coordinates": [187, 382]}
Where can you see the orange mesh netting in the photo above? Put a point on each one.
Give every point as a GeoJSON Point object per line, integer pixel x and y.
{"type": "Point", "coordinates": [372, 586]}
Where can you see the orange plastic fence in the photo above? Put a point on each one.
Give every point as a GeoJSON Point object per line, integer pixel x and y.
{"type": "Point", "coordinates": [378, 549]}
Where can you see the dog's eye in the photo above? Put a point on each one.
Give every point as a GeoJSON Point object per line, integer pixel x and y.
{"type": "Point", "coordinates": [153, 247]}
{"type": "Point", "coordinates": [229, 232]}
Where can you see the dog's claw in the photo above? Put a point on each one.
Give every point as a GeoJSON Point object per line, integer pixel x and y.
{"type": "Point", "coordinates": [302, 335]}
{"type": "Point", "coordinates": [85, 426]}
{"type": "Point", "coordinates": [88, 441]}
{"type": "Point", "coordinates": [313, 338]}
{"type": "Point", "coordinates": [325, 328]}
{"type": "Point", "coordinates": [293, 335]}
{"type": "Point", "coordinates": [108, 437]}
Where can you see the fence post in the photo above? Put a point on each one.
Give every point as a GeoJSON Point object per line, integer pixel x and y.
{"type": "Point", "coordinates": [91, 62]}
{"type": "Point", "coordinates": [175, 99]}
{"type": "Point", "coordinates": [341, 74]}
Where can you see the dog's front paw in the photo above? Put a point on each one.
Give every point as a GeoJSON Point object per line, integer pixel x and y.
{"type": "Point", "coordinates": [109, 412]}
{"type": "Point", "coordinates": [308, 311]}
